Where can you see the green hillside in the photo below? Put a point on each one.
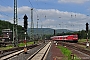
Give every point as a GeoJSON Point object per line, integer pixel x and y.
{"type": "Point", "coordinates": [40, 31]}
{"type": "Point", "coordinates": [8, 25]}
{"type": "Point", "coordinates": [48, 31]}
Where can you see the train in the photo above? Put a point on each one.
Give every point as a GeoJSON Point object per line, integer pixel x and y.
{"type": "Point", "coordinates": [67, 38]}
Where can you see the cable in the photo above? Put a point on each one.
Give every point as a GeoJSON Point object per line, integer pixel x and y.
{"type": "Point", "coordinates": [3, 12]}
{"type": "Point", "coordinates": [4, 2]}
{"type": "Point", "coordinates": [42, 14]}
{"type": "Point", "coordinates": [32, 6]}
{"type": "Point", "coordinates": [30, 3]}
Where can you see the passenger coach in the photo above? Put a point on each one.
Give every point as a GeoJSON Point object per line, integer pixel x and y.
{"type": "Point", "coordinates": [71, 38]}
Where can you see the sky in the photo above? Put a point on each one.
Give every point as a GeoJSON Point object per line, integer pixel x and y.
{"type": "Point", "coordinates": [55, 14]}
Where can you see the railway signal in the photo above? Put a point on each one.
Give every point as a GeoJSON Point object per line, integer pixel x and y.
{"type": "Point", "coordinates": [87, 44]}
{"type": "Point", "coordinates": [25, 22]}
{"type": "Point", "coordinates": [87, 27]}
{"type": "Point", "coordinates": [25, 28]}
{"type": "Point", "coordinates": [54, 32]}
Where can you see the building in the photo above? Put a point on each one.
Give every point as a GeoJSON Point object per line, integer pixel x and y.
{"type": "Point", "coordinates": [7, 35]}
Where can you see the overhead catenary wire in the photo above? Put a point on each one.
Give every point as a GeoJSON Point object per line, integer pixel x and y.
{"type": "Point", "coordinates": [36, 11]}
{"type": "Point", "coordinates": [30, 3]}
{"type": "Point", "coordinates": [2, 13]}
{"type": "Point", "coordinates": [4, 2]}
{"type": "Point", "coordinates": [32, 7]}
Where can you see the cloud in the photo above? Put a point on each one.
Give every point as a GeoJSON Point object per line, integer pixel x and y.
{"type": "Point", "coordinates": [42, 0]}
{"type": "Point", "coordinates": [21, 10]}
{"type": "Point", "coordinates": [49, 22]}
{"type": "Point", "coordinates": [88, 9]}
{"type": "Point", "coordinates": [73, 1]}
{"type": "Point", "coordinates": [51, 18]}
{"type": "Point", "coordinates": [66, 19]}
{"type": "Point", "coordinates": [24, 9]}
{"type": "Point", "coordinates": [6, 9]}
{"type": "Point", "coordinates": [1, 16]}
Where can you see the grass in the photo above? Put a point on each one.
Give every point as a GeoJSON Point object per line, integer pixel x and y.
{"type": "Point", "coordinates": [6, 48]}
{"type": "Point", "coordinates": [23, 44]}
{"type": "Point", "coordinates": [20, 45]}
{"type": "Point", "coordinates": [83, 40]}
{"type": "Point", "coordinates": [30, 43]}
{"type": "Point", "coordinates": [67, 53]}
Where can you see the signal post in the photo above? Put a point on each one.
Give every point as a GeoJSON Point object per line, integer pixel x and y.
{"type": "Point", "coordinates": [25, 29]}
{"type": "Point", "coordinates": [87, 44]}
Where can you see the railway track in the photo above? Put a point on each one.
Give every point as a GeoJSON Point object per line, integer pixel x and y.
{"type": "Point", "coordinates": [75, 46]}
{"type": "Point", "coordinates": [85, 53]}
{"type": "Point", "coordinates": [14, 52]}
{"type": "Point", "coordinates": [41, 53]}
{"type": "Point", "coordinates": [84, 43]}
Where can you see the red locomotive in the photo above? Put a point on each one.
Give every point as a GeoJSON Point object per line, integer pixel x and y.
{"type": "Point", "coordinates": [72, 38]}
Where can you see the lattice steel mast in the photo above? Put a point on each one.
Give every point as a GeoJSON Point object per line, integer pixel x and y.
{"type": "Point", "coordinates": [15, 34]}
{"type": "Point", "coordinates": [32, 26]}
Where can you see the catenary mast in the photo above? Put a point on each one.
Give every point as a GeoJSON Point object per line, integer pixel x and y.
{"type": "Point", "coordinates": [15, 34]}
